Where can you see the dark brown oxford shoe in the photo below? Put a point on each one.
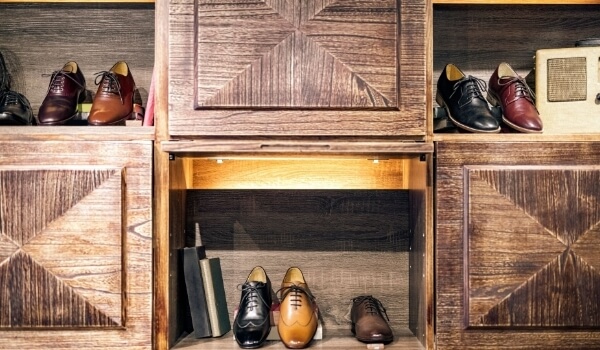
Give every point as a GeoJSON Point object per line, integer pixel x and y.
{"type": "Point", "coordinates": [509, 91]}
{"type": "Point", "coordinates": [368, 324]}
{"type": "Point", "coordinates": [66, 89]}
{"type": "Point", "coordinates": [113, 102]}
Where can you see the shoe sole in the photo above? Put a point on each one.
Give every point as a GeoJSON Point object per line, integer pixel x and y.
{"type": "Point", "coordinates": [493, 100]}
{"type": "Point", "coordinates": [440, 100]}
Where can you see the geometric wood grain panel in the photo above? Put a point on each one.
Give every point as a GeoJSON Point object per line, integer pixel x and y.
{"type": "Point", "coordinates": [533, 235]}
{"type": "Point", "coordinates": [61, 247]}
{"type": "Point", "coordinates": [297, 53]}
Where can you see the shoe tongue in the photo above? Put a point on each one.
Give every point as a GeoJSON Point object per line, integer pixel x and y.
{"type": "Point", "coordinates": [506, 79]}
{"type": "Point", "coordinates": [256, 283]}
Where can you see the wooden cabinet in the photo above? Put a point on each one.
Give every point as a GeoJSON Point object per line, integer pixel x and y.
{"type": "Point", "coordinates": [75, 239]}
{"type": "Point", "coordinates": [517, 232]}
{"type": "Point", "coordinates": [297, 68]}
{"type": "Point", "coordinates": [75, 201]}
{"type": "Point", "coordinates": [516, 215]}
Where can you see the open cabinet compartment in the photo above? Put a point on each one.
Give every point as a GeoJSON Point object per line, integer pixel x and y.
{"type": "Point", "coordinates": [354, 226]}
{"type": "Point", "coordinates": [477, 36]}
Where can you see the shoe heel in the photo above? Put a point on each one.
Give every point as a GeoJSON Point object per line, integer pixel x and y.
{"type": "Point", "coordinates": [492, 99]}
{"type": "Point", "coordinates": [439, 99]}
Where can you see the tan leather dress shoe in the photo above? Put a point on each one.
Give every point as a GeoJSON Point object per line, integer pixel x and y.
{"type": "Point", "coordinates": [113, 102]}
{"type": "Point", "coordinates": [298, 319]}
{"type": "Point", "coordinates": [368, 324]}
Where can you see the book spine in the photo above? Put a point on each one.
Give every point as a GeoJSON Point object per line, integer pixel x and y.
{"type": "Point", "coordinates": [215, 296]}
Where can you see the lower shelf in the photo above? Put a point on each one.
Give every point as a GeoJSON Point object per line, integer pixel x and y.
{"type": "Point", "coordinates": [337, 339]}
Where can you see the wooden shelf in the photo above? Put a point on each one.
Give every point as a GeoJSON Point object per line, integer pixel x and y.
{"type": "Point", "coordinates": [518, 2]}
{"type": "Point", "coordinates": [515, 137]}
{"type": "Point", "coordinates": [77, 1]}
{"type": "Point", "coordinates": [332, 340]}
{"type": "Point", "coordinates": [76, 133]}
{"type": "Point", "coordinates": [247, 147]}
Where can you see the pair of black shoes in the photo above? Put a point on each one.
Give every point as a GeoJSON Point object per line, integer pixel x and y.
{"type": "Point", "coordinates": [462, 97]}
{"type": "Point", "coordinates": [252, 322]}
{"type": "Point", "coordinates": [14, 107]}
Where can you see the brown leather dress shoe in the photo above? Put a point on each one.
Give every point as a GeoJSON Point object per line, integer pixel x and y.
{"type": "Point", "coordinates": [113, 102]}
{"type": "Point", "coordinates": [368, 324]}
{"type": "Point", "coordinates": [66, 89]}
{"type": "Point", "coordinates": [298, 317]}
{"type": "Point", "coordinates": [509, 91]}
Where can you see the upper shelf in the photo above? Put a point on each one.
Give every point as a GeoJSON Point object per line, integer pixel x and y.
{"type": "Point", "coordinates": [518, 2]}
{"type": "Point", "coordinates": [79, 1]}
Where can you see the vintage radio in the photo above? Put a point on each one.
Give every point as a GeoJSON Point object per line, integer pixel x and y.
{"type": "Point", "coordinates": [567, 87]}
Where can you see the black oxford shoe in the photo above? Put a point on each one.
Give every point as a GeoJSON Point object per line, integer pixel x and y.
{"type": "Point", "coordinates": [253, 320]}
{"type": "Point", "coordinates": [463, 100]}
{"type": "Point", "coordinates": [15, 109]}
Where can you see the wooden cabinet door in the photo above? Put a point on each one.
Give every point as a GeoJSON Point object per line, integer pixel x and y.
{"type": "Point", "coordinates": [75, 244]}
{"type": "Point", "coordinates": [518, 237]}
{"type": "Point", "coordinates": [297, 68]}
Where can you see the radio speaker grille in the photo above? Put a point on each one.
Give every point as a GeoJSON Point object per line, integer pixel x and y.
{"type": "Point", "coordinates": [567, 79]}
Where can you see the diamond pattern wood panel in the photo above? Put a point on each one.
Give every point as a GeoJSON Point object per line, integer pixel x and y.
{"type": "Point", "coordinates": [533, 236]}
{"type": "Point", "coordinates": [297, 53]}
{"type": "Point", "coordinates": [61, 250]}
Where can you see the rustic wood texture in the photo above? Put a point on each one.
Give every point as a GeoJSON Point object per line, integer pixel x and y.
{"type": "Point", "coordinates": [517, 2]}
{"type": "Point", "coordinates": [305, 68]}
{"type": "Point", "coordinates": [298, 174]}
{"type": "Point", "coordinates": [297, 54]}
{"type": "Point", "coordinates": [478, 38]}
{"type": "Point", "coordinates": [45, 216]}
{"type": "Point", "coordinates": [84, 250]}
{"type": "Point", "coordinates": [530, 274]}
{"type": "Point", "coordinates": [421, 310]}
{"type": "Point", "coordinates": [39, 38]}
{"type": "Point", "coordinates": [310, 220]}
{"type": "Point", "coordinates": [179, 318]}
{"type": "Point", "coordinates": [515, 232]}
{"type": "Point", "coordinates": [293, 147]}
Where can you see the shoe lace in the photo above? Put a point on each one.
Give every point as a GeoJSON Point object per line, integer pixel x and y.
{"type": "Point", "coordinates": [372, 305]}
{"type": "Point", "coordinates": [251, 293]}
{"type": "Point", "coordinates": [295, 297]}
{"type": "Point", "coordinates": [57, 80]}
{"type": "Point", "coordinates": [472, 89]}
{"type": "Point", "coordinates": [522, 90]}
{"type": "Point", "coordinates": [110, 83]}
{"type": "Point", "coordinates": [14, 98]}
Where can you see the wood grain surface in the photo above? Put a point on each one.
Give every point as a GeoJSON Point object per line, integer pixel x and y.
{"type": "Point", "coordinates": [77, 259]}
{"type": "Point", "coordinates": [297, 68]}
{"type": "Point", "coordinates": [516, 225]}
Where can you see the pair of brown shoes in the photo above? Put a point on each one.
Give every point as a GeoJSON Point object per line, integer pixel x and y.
{"type": "Point", "coordinates": [368, 324]}
{"type": "Point", "coordinates": [112, 104]}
